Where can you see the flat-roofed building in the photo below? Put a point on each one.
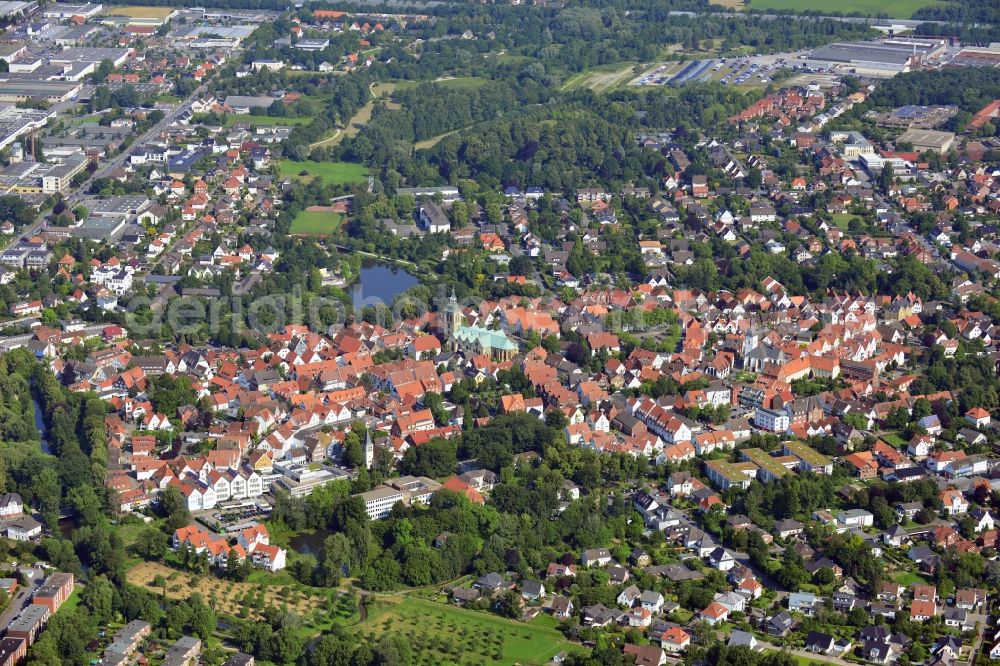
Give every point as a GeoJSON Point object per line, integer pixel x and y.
{"type": "Point", "coordinates": [415, 489]}
{"type": "Point", "coordinates": [29, 622]}
{"type": "Point", "coordinates": [128, 639]}
{"type": "Point", "coordinates": [62, 10]}
{"type": "Point", "coordinates": [12, 651]}
{"type": "Point", "coordinates": [183, 653]}
{"type": "Point", "coordinates": [925, 140]}
{"type": "Point", "coordinates": [48, 91]}
{"type": "Point", "coordinates": [770, 468]}
{"type": "Point", "coordinates": [810, 460]}
{"type": "Point", "coordinates": [54, 591]}
{"type": "Point", "coordinates": [379, 501]}
{"type": "Point", "coordinates": [727, 475]}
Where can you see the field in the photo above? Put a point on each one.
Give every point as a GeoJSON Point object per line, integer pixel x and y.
{"type": "Point", "coordinates": [139, 12]}
{"type": "Point", "coordinates": [893, 8]}
{"type": "Point", "coordinates": [433, 141]}
{"type": "Point", "coordinates": [462, 82]}
{"type": "Point", "coordinates": [339, 173]}
{"type": "Point", "coordinates": [315, 223]}
{"type": "Point", "coordinates": [232, 119]}
{"type": "Point", "coordinates": [229, 596]}
{"type": "Point", "coordinates": [600, 79]}
{"type": "Point", "coordinates": [360, 119]}
{"type": "Point", "coordinates": [842, 220]}
{"type": "Point", "coordinates": [729, 4]}
{"type": "Point", "coordinates": [909, 578]}
{"type": "Point", "coordinates": [439, 633]}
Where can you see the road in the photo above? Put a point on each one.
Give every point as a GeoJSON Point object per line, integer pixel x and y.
{"type": "Point", "coordinates": [909, 23]}
{"type": "Point", "coordinates": [21, 599]}
{"type": "Point", "coordinates": [115, 162]}
{"type": "Point", "coordinates": [119, 160]}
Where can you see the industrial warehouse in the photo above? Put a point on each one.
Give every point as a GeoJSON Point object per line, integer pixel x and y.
{"type": "Point", "coordinates": [879, 58]}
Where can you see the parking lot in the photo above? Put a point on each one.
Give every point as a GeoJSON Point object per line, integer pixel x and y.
{"type": "Point", "coordinates": [228, 516]}
{"type": "Point", "coordinates": [746, 70]}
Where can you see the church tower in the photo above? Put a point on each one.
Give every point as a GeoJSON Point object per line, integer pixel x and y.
{"type": "Point", "coordinates": [452, 319]}
{"type": "Point", "coordinates": [369, 450]}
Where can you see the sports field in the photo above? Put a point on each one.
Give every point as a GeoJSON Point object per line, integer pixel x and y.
{"type": "Point", "coordinates": [339, 173]}
{"type": "Point", "coordinates": [894, 8]}
{"type": "Point", "coordinates": [316, 223]}
{"type": "Point", "coordinates": [439, 633]}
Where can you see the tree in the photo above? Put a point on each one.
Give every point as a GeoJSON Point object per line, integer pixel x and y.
{"type": "Point", "coordinates": [354, 452]}
{"type": "Point", "coordinates": [510, 604]}
{"type": "Point", "coordinates": [335, 557]}
{"type": "Point", "coordinates": [151, 544]}
{"type": "Point", "coordinates": [174, 506]}
{"type": "Point", "coordinates": [98, 597]}
{"type": "Point", "coordinates": [823, 576]}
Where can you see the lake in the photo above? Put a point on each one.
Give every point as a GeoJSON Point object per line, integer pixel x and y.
{"type": "Point", "coordinates": [381, 282]}
{"type": "Point", "coordinates": [309, 543]}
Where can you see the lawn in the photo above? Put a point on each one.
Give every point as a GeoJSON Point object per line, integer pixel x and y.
{"type": "Point", "coordinates": [909, 578]}
{"type": "Point", "coordinates": [315, 223]}
{"type": "Point", "coordinates": [893, 8]}
{"type": "Point", "coordinates": [71, 602]}
{"type": "Point", "coordinates": [842, 220]}
{"type": "Point", "coordinates": [338, 173]}
{"type": "Point", "coordinates": [139, 12]}
{"type": "Point", "coordinates": [894, 440]}
{"type": "Point", "coordinates": [440, 633]}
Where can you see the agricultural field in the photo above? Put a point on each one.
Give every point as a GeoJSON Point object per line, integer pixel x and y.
{"type": "Point", "coordinates": [227, 596]}
{"type": "Point", "coordinates": [140, 12]}
{"type": "Point", "coordinates": [440, 633]}
{"type": "Point", "coordinates": [729, 4]}
{"type": "Point", "coordinates": [893, 8]}
{"type": "Point", "coordinates": [316, 223]}
{"type": "Point", "coordinates": [338, 173]}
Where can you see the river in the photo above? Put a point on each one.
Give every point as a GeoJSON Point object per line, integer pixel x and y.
{"type": "Point", "coordinates": [381, 282]}
{"type": "Point", "coordinates": [40, 424]}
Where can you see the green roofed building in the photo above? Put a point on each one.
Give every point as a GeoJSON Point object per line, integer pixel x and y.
{"type": "Point", "coordinates": [810, 460]}
{"type": "Point", "coordinates": [476, 340]}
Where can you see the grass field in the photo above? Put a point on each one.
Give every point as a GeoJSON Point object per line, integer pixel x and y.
{"type": "Point", "coordinates": [228, 596]}
{"type": "Point", "coordinates": [315, 223]}
{"type": "Point", "coordinates": [339, 173]}
{"type": "Point", "coordinates": [601, 79]}
{"type": "Point", "coordinates": [894, 8]}
{"type": "Point", "coordinates": [462, 82]}
{"type": "Point", "coordinates": [433, 141]}
{"type": "Point", "coordinates": [140, 12]}
{"type": "Point", "coordinates": [894, 440]}
{"type": "Point", "coordinates": [842, 220]}
{"type": "Point", "coordinates": [232, 119]}
{"type": "Point", "coordinates": [360, 119]}
{"type": "Point", "coordinates": [908, 578]}
{"type": "Point", "coordinates": [440, 633]}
